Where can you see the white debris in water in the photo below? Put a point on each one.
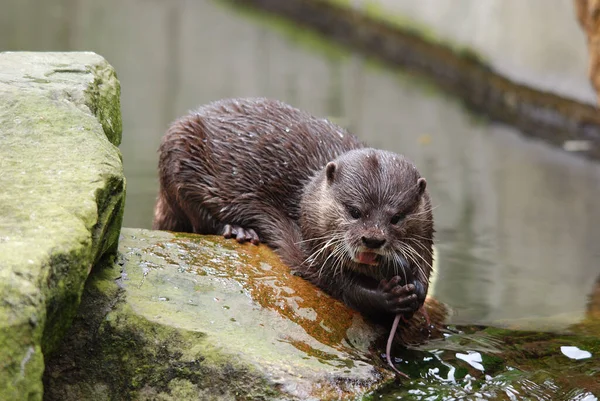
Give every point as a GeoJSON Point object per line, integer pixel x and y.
{"type": "Point", "coordinates": [512, 393]}
{"type": "Point", "coordinates": [451, 377]}
{"type": "Point", "coordinates": [472, 358]}
{"type": "Point", "coordinates": [575, 353]}
{"type": "Point", "coordinates": [577, 145]}
{"type": "Point", "coordinates": [435, 372]}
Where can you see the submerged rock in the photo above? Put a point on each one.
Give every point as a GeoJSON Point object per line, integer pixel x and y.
{"type": "Point", "coordinates": [196, 317]}
{"type": "Point", "coordinates": [61, 200]}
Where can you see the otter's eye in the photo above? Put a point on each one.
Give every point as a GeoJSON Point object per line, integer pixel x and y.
{"type": "Point", "coordinates": [354, 212]}
{"type": "Point", "coordinates": [396, 219]}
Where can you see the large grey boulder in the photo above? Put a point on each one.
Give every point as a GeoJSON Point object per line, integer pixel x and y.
{"type": "Point", "coordinates": [188, 317]}
{"type": "Point", "coordinates": [61, 200]}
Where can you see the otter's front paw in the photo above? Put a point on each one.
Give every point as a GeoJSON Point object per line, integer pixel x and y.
{"type": "Point", "coordinates": [400, 299]}
{"type": "Point", "coordinates": [240, 234]}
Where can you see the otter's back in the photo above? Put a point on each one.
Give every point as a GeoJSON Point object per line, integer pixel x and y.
{"type": "Point", "coordinates": [240, 153]}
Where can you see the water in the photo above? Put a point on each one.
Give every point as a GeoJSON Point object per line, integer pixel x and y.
{"type": "Point", "coordinates": [518, 223]}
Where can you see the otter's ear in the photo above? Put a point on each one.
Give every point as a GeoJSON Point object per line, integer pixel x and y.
{"type": "Point", "coordinates": [422, 184]}
{"type": "Point", "coordinates": [330, 171]}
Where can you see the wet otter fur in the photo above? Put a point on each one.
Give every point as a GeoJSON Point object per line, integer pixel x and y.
{"type": "Point", "coordinates": [353, 220]}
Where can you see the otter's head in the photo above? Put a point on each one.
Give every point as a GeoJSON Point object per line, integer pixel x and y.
{"type": "Point", "coordinates": [368, 210]}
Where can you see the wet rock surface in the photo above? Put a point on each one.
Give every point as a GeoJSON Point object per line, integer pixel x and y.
{"type": "Point", "coordinates": [203, 318]}
{"type": "Point", "coordinates": [61, 201]}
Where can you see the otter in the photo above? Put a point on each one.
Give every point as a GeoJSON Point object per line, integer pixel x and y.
{"type": "Point", "coordinates": [353, 220]}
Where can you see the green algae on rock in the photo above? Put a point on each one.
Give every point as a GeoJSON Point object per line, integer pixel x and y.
{"type": "Point", "coordinates": [204, 316]}
{"type": "Point", "coordinates": [61, 202]}
{"type": "Point", "coordinates": [84, 79]}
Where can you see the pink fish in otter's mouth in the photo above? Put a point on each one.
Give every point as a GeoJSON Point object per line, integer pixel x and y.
{"type": "Point", "coordinates": [367, 258]}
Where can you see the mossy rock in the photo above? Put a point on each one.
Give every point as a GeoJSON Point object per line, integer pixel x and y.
{"type": "Point", "coordinates": [191, 317]}
{"type": "Point", "coordinates": [61, 201]}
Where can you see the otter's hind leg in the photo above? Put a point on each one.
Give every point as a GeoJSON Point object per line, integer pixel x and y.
{"type": "Point", "coordinates": [168, 216]}
{"type": "Point", "coordinates": [203, 222]}
{"type": "Point", "coordinates": [240, 234]}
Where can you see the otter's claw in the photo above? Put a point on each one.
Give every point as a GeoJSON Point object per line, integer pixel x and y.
{"type": "Point", "coordinates": [400, 299]}
{"type": "Point", "coordinates": [241, 234]}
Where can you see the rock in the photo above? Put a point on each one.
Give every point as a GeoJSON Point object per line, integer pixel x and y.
{"type": "Point", "coordinates": [588, 14]}
{"type": "Point", "coordinates": [192, 317]}
{"type": "Point", "coordinates": [61, 201]}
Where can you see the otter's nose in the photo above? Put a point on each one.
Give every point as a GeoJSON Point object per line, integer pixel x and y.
{"type": "Point", "coordinates": [373, 242]}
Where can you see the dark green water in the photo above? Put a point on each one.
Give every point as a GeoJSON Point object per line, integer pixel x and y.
{"type": "Point", "coordinates": [518, 222]}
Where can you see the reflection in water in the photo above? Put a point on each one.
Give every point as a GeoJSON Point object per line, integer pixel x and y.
{"type": "Point", "coordinates": [544, 46]}
{"type": "Point", "coordinates": [517, 226]}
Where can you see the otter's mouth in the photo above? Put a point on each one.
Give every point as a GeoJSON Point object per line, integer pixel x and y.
{"type": "Point", "coordinates": [367, 258]}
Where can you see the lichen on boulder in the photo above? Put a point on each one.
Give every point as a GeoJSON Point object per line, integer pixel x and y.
{"type": "Point", "coordinates": [193, 317]}
{"type": "Point", "coordinates": [61, 201]}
